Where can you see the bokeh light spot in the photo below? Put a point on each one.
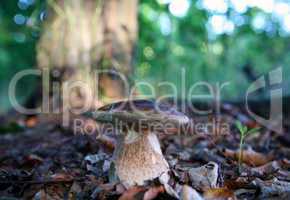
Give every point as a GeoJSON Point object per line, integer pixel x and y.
{"type": "Point", "coordinates": [179, 8]}
{"type": "Point", "coordinates": [19, 19]}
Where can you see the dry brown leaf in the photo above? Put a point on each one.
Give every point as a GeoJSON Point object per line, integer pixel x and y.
{"type": "Point", "coordinates": [236, 184]}
{"type": "Point", "coordinates": [254, 158]}
{"type": "Point", "coordinates": [219, 194]}
{"type": "Point", "coordinates": [286, 163]}
{"type": "Point", "coordinates": [153, 192]}
{"type": "Point", "coordinates": [250, 157]}
{"type": "Point", "coordinates": [131, 193]}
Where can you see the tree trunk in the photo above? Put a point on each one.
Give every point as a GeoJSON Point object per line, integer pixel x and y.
{"type": "Point", "coordinates": [83, 36]}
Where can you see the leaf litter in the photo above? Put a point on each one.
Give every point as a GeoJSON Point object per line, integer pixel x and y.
{"type": "Point", "coordinates": [47, 161]}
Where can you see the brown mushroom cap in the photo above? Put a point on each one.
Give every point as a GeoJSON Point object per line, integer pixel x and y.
{"type": "Point", "coordinates": [142, 113]}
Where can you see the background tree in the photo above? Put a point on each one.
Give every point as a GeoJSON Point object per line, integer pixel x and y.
{"type": "Point", "coordinates": [81, 37]}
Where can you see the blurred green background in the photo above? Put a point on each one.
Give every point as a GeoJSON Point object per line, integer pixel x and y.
{"type": "Point", "coordinates": [211, 40]}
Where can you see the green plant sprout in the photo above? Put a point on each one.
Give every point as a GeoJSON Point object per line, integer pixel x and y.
{"type": "Point", "coordinates": [244, 132]}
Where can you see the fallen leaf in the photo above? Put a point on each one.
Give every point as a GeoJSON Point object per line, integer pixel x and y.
{"type": "Point", "coordinates": [188, 193]}
{"type": "Point", "coordinates": [273, 188]}
{"type": "Point", "coordinates": [153, 192]}
{"type": "Point", "coordinates": [54, 192]}
{"type": "Point", "coordinates": [266, 169]}
{"type": "Point", "coordinates": [244, 193]}
{"type": "Point", "coordinates": [219, 194]}
{"type": "Point", "coordinates": [131, 193]}
{"type": "Point", "coordinates": [250, 157]}
{"type": "Point", "coordinates": [169, 190]}
{"type": "Point", "coordinates": [236, 184]}
{"type": "Point", "coordinates": [286, 163]}
{"type": "Point", "coordinates": [99, 163]}
{"type": "Point", "coordinates": [204, 177]}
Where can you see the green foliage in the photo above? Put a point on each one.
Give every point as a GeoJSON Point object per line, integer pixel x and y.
{"type": "Point", "coordinates": [187, 44]}
{"type": "Point", "coordinates": [191, 46]}
{"type": "Point", "coordinates": [12, 127]}
{"type": "Point", "coordinates": [244, 132]}
{"type": "Point", "coordinates": [17, 49]}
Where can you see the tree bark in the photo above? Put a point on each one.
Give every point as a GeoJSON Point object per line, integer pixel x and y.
{"type": "Point", "coordinates": [82, 36]}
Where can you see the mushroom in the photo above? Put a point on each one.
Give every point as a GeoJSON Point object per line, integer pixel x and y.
{"type": "Point", "coordinates": [138, 157]}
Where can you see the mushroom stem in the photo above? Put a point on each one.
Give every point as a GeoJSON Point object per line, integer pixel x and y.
{"type": "Point", "coordinates": [139, 158]}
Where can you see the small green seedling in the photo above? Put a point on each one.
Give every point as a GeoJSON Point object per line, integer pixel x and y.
{"type": "Point", "coordinates": [244, 132]}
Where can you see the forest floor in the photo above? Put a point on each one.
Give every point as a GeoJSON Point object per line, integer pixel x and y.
{"type": "Point", "coordinates": [43, 161]}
